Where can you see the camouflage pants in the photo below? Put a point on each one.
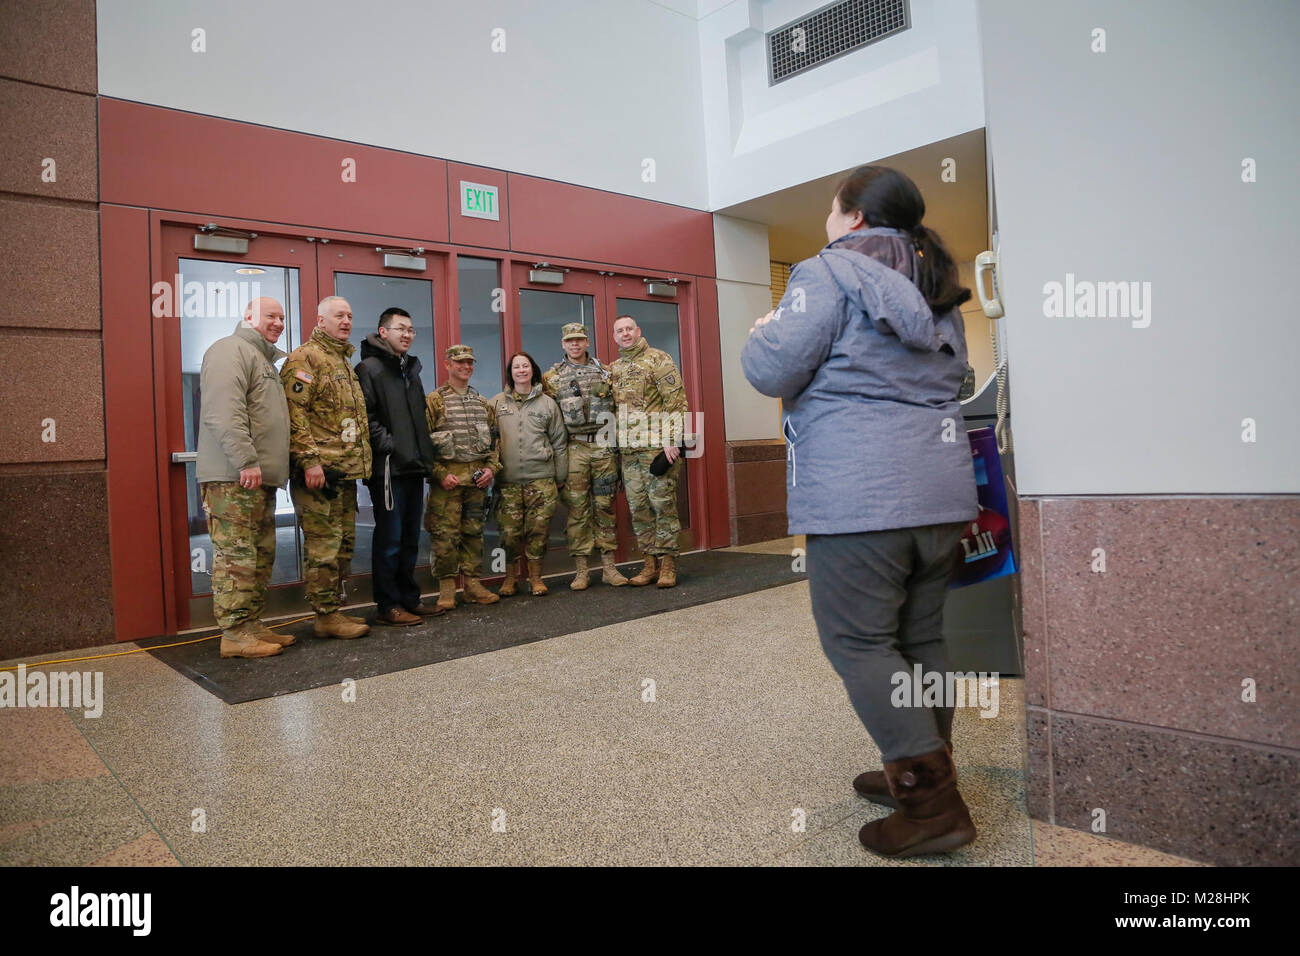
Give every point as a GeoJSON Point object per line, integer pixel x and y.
{"type": "Point", "coordinates": [454, 519]}
{"type": "Point", "coordinates": [652, 501]}
{"type": "Point", "coordinates": [329, 532]}
{"type": "Point", "coordinates": [524, 517]}
{"type": "Point", "coordinates": [241, 522]}
{"type": "Point", "coordinates": [589, 496]}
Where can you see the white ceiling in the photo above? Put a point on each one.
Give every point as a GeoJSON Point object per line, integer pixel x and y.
{"type": "Point", "coordinates": [958, 211]}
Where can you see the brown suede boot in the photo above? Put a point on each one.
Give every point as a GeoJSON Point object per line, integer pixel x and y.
{"type": "Point", "coordinates": [337, 625]}
{"type": "Point", "coordinates": [476, 592]}
{"type": "Point", "coordinates": [875, 787]}
{"type": "Point", "coordinates": [668, 571]}
{"type": "Point", "coordinates": [264, 633]}
{"type": "Point", "coordinates": [931, 815]}
{"type": "Point", "coordinates": [535, 578]}
{"type": "Point", "coordinates": [648, 572]}
{"type": "Point", "coordinates": [446, 594]}
{"type": "Point", "coordinates": [508, 587]}
{"type": "Point", "coordinates": [609, 570]}
{"type": "Point", "coordinates": [580, 580]}
{"type": "Point", "coordinates": [242, 641]}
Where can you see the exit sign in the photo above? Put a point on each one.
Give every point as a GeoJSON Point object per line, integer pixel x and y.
{"type": "Point", "coordinates": [479, 201]}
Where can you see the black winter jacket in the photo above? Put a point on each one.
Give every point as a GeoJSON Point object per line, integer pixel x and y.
{"type": "Point", "coordinates": [395, 407]}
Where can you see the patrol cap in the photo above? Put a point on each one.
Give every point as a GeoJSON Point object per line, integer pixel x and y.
{"type": "Point", "coordinates": [573, 330]}
{"type": "Point", "coordinates": [459, 352]}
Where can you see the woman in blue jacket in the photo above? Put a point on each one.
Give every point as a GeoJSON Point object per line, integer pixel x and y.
{"type": "Point", "coordinates": [867, 351]}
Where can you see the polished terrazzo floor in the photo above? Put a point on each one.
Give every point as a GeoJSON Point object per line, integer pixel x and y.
{"type": "Point", "coordinates": [547, 753]}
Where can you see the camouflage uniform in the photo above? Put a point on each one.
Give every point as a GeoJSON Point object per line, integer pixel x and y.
{"type": "Point", "coordinates": [464, 430]}
{"type": "Point", "coordinates": [328, 427]}
{"type": "Point", "coordinates": [586, 401]}
{"type": "Point", "coordinates": [646, 381]}
{"type": "Point", "coordinates": [524, 516]}
{"type": "Point", "coordinates": [241, 522]}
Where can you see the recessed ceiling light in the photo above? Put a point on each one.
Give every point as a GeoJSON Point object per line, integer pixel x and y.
{"type": "Point", "coordinates": [250, 272]}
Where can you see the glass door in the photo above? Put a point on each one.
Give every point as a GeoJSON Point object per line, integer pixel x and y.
{"type": "Point", "coordinates": [200, 298]}
{"type": "Point", "coordinates": [544, 309]}
{"type": "Point", "coordinates": [359, 274]}
{"type": "Point", "coordinates": [660, 317]}
{"type": "Point", "coordinates": [550, 296]}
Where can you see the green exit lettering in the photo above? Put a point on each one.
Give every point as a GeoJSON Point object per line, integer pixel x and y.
{"type": "Point", "coordinates": [477, 200]}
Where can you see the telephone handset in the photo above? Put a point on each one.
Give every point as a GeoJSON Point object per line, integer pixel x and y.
{"type": "Point", "coordinates": [989, 262]}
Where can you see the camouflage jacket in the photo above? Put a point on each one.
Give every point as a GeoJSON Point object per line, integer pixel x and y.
{"type": "Point", "coordinates": [646, 381]}
{"type": "Point", "coordinates": [464, 430]}
{"type": "Point", "coordinates": [327, 409]}
{"type": "Point", "coordinates": [583, 392]}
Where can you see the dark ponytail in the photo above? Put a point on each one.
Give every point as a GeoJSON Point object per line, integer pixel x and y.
{"type": "Point", "coordinates": [886, 197]}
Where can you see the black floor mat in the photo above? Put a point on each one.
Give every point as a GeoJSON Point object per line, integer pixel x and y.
{"type": "Point", "coordinates": [472, 629]}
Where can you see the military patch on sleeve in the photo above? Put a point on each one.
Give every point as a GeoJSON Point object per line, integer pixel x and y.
{"type": "Point", "coordinates": [297, 386]}
{"type": "Point", "coordinates": [302, 376]}
{"type": "Point", "coordinates": [670, 379]}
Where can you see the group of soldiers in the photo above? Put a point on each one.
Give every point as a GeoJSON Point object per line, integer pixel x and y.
{"type": "Point", "coordinates": [322, 427]}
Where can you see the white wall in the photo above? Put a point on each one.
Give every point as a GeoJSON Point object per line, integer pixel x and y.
{"type": "Point", "coordinates": [1127, 165]}
{"type": "Point", "coordinates": [584, 92]}
{"type": "Point", "coordinates": [900, 93]}
{"type": "Point", "coordinates": [744, 293]}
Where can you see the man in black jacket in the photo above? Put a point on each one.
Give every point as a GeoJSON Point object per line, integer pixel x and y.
{"type": "Point", "coordinates": [403, 456]}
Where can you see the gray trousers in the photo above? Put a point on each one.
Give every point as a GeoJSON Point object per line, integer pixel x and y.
{"type": "Point", "coordinates": [877, 598]}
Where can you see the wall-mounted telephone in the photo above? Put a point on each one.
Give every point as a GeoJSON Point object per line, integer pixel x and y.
{"type": "Point", "coordinates": [988, 262]}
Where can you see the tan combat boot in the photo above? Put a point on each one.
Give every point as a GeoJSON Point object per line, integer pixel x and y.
{"type": "Point", "coordinates": [580, 581]}
{"type": "Point", "coordinates": [351, 618]}
{"type": "Point", "coordinates": [647, 573]}
{"type": "Point", "coordinates": [475, 591]}
{"type": "Point", "coordinates": [264, 633]}
{"type": "Point", "coordinates": [668, 571]}
{"type": "Point", "coordinates": [446, 594]}
{"type": "Point", "coordinates": [609, 570]}
{"type": "Point", "coordinates": [337, 625]}
{"type": "Point", "coordinates": [242, 641]}
{"type": "Point", "coordinates": [509, 588]}
{"type": "Point", "coordinates": [535, 578]}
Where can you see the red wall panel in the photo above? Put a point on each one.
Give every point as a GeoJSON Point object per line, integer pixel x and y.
{"type": "Point", "coordinates": [556, 219]}
{"type": "Point", "coordinates": [133, 529]}
{"type": "Point", "coordinates": [471, 231]}
{"type": "Point", "coordinates": [166, 159]}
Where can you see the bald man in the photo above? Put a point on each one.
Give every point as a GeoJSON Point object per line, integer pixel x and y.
{"type": "Point", "coordinates": [243, 459]}
{"type": "Point", "coordinates": [329, 449]}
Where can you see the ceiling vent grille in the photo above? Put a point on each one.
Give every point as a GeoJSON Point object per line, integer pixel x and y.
{"type": "Point", "coordinates": [831, 32]}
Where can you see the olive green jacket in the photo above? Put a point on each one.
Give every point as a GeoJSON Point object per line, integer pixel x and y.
{"type": "Point", "coordinates": [244, 420]}
{"type": "Point", "coordinates": [534, 443]}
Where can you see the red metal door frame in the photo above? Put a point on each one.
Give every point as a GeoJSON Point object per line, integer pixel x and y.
{"type": "Point", "coordinates": [632, 285]}
{"type": "Point", "coordinates": [174, 241]}
{"type": "Point", "coordinates": [361, 258]}
{"type": "Point", "coordinates": [170, 235]}
{"type": "Point", "coordinates": [608, 286]}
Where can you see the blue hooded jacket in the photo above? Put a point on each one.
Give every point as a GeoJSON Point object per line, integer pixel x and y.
{"type": "Point", "coordinates": [869, 378]}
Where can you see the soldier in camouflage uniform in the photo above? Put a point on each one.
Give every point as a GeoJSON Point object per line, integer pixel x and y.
{"type": "Point", "coordinates": [464, 431]}
{"type": "Point", "coordinates": [534, 460]}
{"type": "Point", "coordinates": [648, 387]}
{"type": "Point", "coordinates": [580, 386]}
{"type": "Point", "coordinates": [243, 457]}
{"type": "Point", "coordinates": [329, 449]}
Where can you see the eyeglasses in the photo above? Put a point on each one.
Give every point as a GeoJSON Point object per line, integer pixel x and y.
{"type": "Point", "coordinates": [402, 330]}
